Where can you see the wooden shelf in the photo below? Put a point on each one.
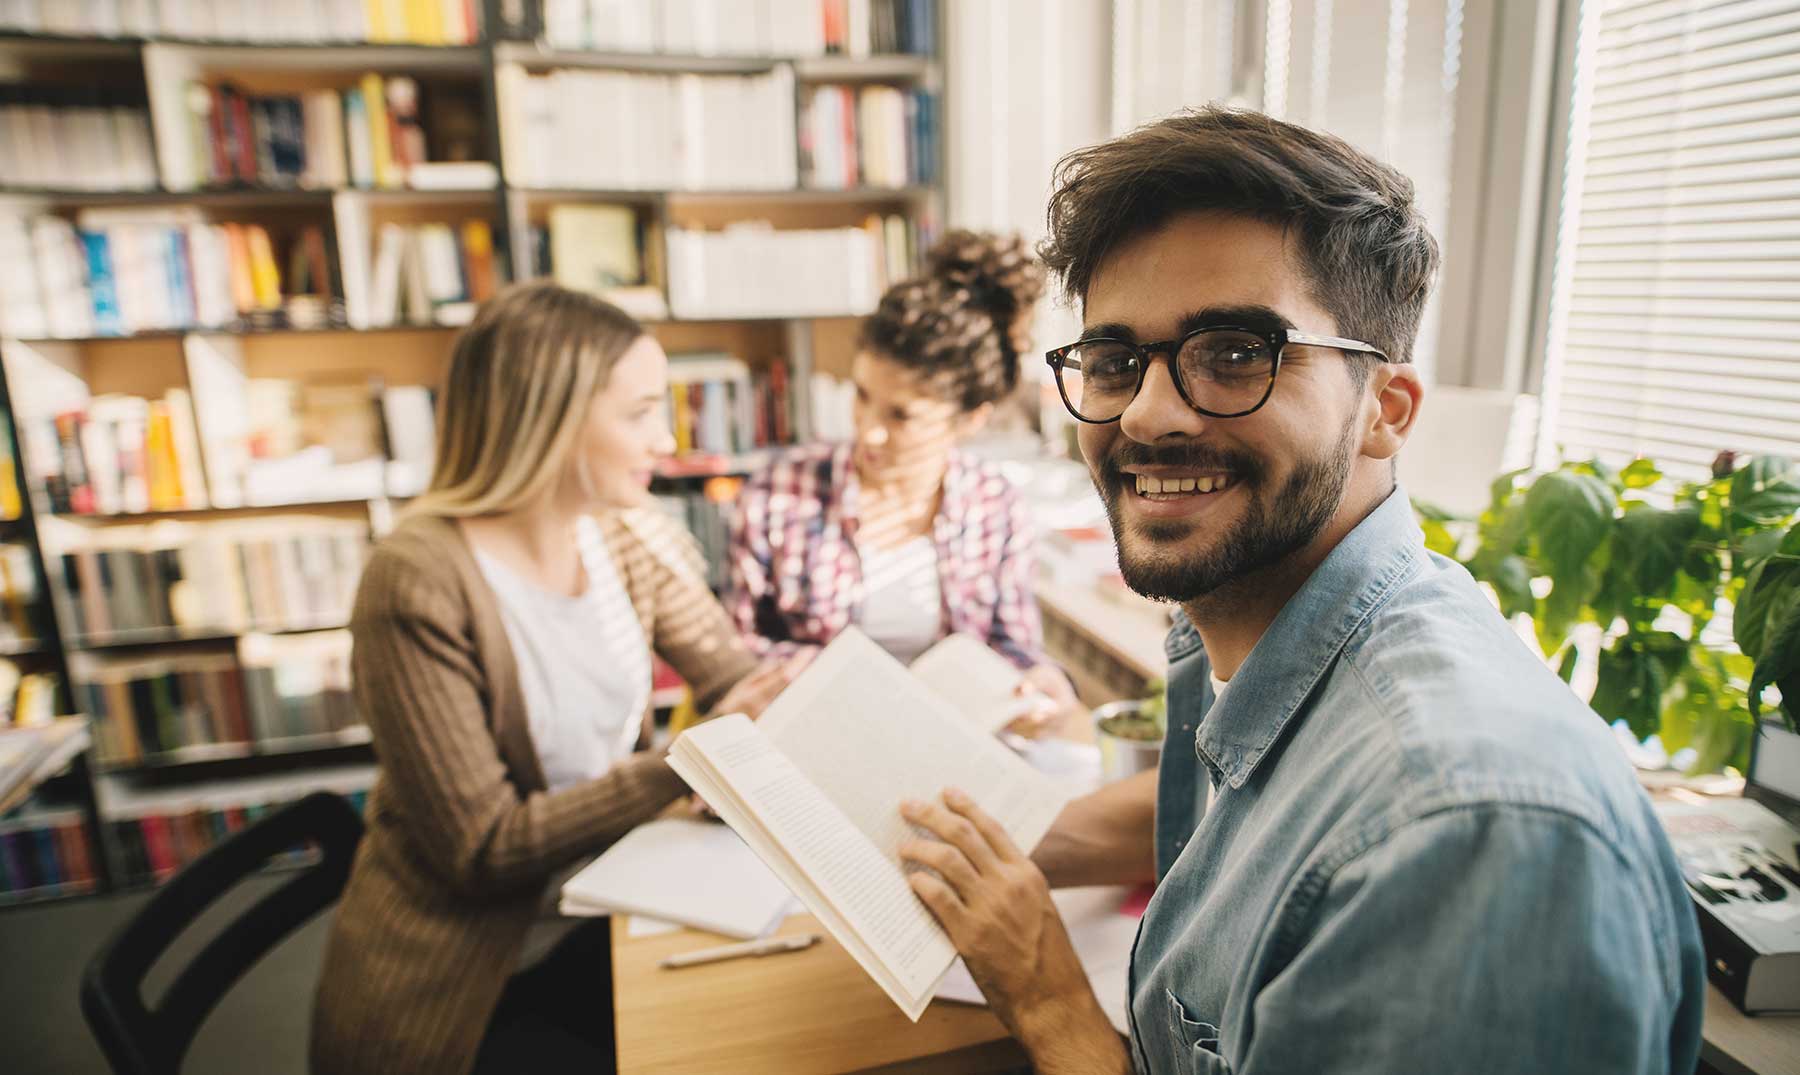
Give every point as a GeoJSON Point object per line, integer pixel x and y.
{"type": "Point", "coordinates": [22, 648]}
{"type": "Point", "coordinates": [205, 757]}
{"type": "Point", "coordinates": [329, 56]}
{"type": "Point", "coordinates": [168, 636]}
{"type": "Point", "coordinates": [777, 195]}
{"type": "Point", "coordinates": [247, 197]}
{"type": "Point", "coordinates": [886, 66]}
{"type": "Point", "coordinates": [300, 507]}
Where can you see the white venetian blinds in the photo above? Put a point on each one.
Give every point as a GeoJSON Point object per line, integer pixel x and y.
{"type": "Point", "coordinates": [1675, 324]}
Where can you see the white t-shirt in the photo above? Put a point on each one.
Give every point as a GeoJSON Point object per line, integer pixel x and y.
{"type": "Point", "coordinates": [584, 666]}
{"type": "Point", "coordinates": [902, 600]}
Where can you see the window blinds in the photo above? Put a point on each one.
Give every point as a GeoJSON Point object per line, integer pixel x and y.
{"type": "Point", "coordinates": [1675, 317]}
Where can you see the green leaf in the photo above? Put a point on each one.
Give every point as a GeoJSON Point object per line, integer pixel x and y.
{"type": "Point", "coordinates": [1511, 580]}
{"type": "Point", "coordinates": [1425, 509]}
{"type": "Point", "coordinates": [1501, 489]}
{"type": "Point", "coordinates": [1779, 665]}
{"type": "Point", "coordinates": [1653, 544]}
{"type": "Point", "coordinates": [1765, 492]}
{"type": "Point", "coordinates": [1705, 710]}
{"type": "Point", "coordinates": [1438, 537]}
{"type": "Point", "coordinates": [1571, 515]}
{"type": "Point", "coordinates": [1772, 589]}
{"type": "Point", "coordinates": [1631, 687]}
{"type": "Point", "coordinates": [1640, 474]}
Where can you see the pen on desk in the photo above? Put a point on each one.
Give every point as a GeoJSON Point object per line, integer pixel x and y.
{"type": "Point", "coordinates": [765, 947]}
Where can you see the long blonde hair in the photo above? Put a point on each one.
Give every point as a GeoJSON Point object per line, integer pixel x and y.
{"type": "Point", "coordinates": [522, 377]}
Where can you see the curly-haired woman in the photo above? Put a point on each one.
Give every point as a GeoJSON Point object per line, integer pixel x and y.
{"type": "Point", "coordinates": [899, 532]}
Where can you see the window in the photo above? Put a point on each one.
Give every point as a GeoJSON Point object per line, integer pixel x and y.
{"type": "Point", "coordinates": [1675, 313]}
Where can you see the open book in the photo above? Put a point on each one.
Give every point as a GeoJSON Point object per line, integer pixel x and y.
{"type": "Point", "coordinates": [815, 789]}
{"type": "Point", "coordinates": [978, 682]}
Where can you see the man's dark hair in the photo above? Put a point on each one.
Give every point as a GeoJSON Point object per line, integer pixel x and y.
{"type": "Point", "coordinates": [1363, 245]}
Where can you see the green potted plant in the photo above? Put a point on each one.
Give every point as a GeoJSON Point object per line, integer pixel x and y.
{"type": "Point", "coordinates": [1130, 733]}
{"type": "Point", "coordinates": [1648, 564]}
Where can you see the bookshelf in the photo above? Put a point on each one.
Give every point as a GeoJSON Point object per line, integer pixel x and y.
{"type": "Point", "coordinates": [215, 429]}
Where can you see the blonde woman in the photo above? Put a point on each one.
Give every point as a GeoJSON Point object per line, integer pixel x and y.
{"type": "Point", "coordinates": [503, 636]}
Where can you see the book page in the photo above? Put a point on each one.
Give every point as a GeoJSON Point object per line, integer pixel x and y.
{"type": "Point", "coordinates": [869, 735]}
{"type": "Point", "coordinates": [974, 679]}
{"type": "Point", "coordinates": [859, 893]}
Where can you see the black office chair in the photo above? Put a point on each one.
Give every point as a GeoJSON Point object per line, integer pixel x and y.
{"type": "Point", "coordinates": [139, 1041]}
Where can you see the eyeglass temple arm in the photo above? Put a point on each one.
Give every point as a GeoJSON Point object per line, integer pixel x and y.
{"type": "Point", "coordinates": [1310, 340]}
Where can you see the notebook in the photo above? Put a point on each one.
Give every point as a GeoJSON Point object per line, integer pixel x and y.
{"type": "Point", "coordinates": [695, 873]}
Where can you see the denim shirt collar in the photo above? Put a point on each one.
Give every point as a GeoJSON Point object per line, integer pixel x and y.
{"type": "Point", "coordinates": [1355, 579]}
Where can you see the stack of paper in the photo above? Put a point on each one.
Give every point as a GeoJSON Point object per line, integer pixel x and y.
{"type": "Point", "coordinates": [696, 873]}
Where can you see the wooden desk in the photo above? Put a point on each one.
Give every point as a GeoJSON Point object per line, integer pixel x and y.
{"type": "Point", "coordinates": [1737, 1044]}
{"type": "Point", "coordinates": [801, 1013]}
{"type": "Point", "coordinates": [816, 1012]}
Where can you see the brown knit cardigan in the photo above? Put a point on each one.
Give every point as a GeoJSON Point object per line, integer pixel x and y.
{"type": "Point", "coordinates": [462, 836]}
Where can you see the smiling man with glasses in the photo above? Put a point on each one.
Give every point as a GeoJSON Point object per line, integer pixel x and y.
{"type": "Point", "coordinates": [1386, 837]}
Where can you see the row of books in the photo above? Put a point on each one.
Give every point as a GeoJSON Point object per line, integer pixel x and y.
{"type": "Point", "coordinates": [718, 405]}
{"type": "Point", "coordinates": [272, 441]}
{"type": "Point", "coordinates": [742, 27]}
{"type": "Point", "coordinates": [274, 693]}
{"type": "Point", "coordinates": [165, 832]}
{"type": "Point", "coordinates": [27, 699]}
{"type": "Point", "coordinates": [418, 22]}
{"type": "Point", "coordinates": [371, 134]}
{"type": "Point", "coordinates": [46, 853]}
{"type": "Point", "coordinates": [600, 249]}
{"type": "Point", "coordinates": [21, 599]}
{"type": "Point", "coordinates": [872, 136]}
{"type": "Point", "coordinates": [115, 272]}
{"type": "Point", "coordinates": [275, 574]}
{"type": "Point", "coordinates": [82, 139]}
{"type": "Point", "coordinates": [753, 270]}
{"type": "Point", "coordinates": [119, 454]}
{"type": "Point", "coordinates": [430, 274]}
{"type": "Point", "coordinates": [707, 513]}
{"type": "Point", "coordinates": [686, 131]}
{"type": "Point", "coordinates": [12, 501]}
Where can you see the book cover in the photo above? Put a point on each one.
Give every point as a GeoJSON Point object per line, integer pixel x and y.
{"type": "Point", "coordinates": [1741, 863]}
{"type": "Point", "coordinates": [374, 102]}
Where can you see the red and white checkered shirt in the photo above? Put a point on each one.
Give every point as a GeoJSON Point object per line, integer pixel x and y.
{"type": "Point", "coordinates": [796, 577]}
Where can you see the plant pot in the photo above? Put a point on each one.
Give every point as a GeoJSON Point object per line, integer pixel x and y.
{"type": "Point", "coordinates": [1128, 744]}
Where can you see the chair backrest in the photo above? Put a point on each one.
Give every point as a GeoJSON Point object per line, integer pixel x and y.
{"type": "Point", "coordinates": [141, 1041]}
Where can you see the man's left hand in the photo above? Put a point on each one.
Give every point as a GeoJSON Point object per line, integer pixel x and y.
{"type": "Point", "coordinates": [995, 904]}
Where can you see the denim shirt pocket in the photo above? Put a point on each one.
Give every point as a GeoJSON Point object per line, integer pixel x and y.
{"type": "Point", "coordinates": [1199, 1042]}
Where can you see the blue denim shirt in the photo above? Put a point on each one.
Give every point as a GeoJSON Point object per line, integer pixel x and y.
{"type": "Point", "coordinates": [1423, 852]}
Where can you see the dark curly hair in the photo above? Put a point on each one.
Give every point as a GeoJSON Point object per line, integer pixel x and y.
{"type": "Point", "coordinates": [963, 324]}
{"type": "Point", "coordinates": [1363, 244]}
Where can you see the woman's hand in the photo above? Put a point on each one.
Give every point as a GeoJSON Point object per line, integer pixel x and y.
{"type": "Point", "coordinates": [752, 694]}
{"type": "Point", "coordinates": [1053, 697]}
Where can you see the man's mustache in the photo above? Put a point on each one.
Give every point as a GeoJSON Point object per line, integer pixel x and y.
{"type": "Point", "coordinates": [1240, 465]}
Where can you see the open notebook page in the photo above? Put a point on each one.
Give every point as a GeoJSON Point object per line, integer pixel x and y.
{"type": "Point", "coordinates": [697, 873]}
{"type": "Point", "coordinates": [869, 734]}
{"type": "Point", "coordinates": [978, 682]}
{"type": "Point", "coordinates": [859, 894]}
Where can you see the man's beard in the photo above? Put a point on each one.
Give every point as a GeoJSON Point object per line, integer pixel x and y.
{"type": "Point", "coordinates": [1275, 524]}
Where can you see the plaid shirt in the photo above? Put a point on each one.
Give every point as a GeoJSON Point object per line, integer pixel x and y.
{"type": "Point", "coordinates": [796, 577]}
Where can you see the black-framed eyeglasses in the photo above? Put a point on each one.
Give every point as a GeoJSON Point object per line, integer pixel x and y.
{"type": "Point", "coordinates": [1222, 371]}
